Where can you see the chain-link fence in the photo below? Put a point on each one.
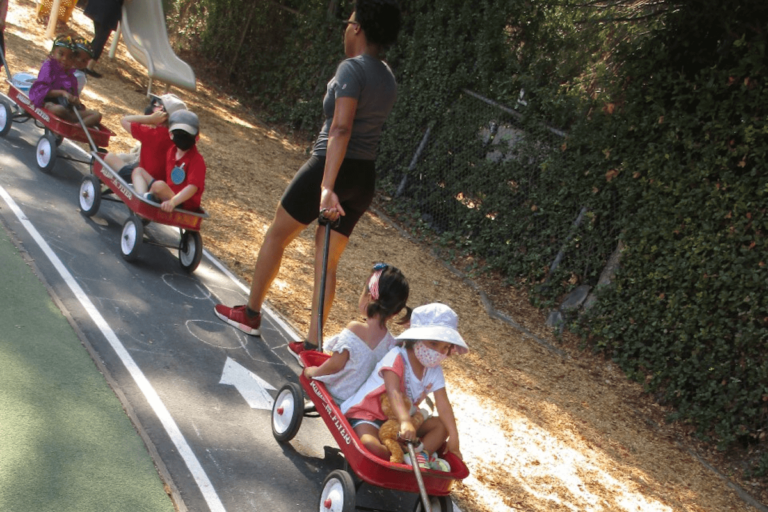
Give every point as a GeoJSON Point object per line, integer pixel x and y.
{"type": "Point", "coordinates": [478, 181]}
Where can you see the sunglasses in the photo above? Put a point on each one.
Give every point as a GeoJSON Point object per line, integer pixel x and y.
{"type": "Point", "coordinates": [379, 266]}
{"type": "Point", "coordinates": [157, 103]}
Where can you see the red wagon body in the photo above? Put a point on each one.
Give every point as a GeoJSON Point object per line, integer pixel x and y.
{"type": "Point", "coordinates": [367, 466]}
{"type": "Point", "coordinates": [178, 218]}
{"type": "Point", "coordinates": [142, 211]}
{"type": "Point", "coordinates": [18, 108]}
{"type": "Point", "coordinates": [68, 130]}
{"type": "Point", "coordinates": [286, 420]}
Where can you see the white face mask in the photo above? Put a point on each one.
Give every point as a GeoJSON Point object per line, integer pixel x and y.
{"type": "Point", "coordinates": [427, 356]}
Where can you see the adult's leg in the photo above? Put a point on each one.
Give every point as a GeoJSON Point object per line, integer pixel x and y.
{"type": "Point", "coordinates": [338, 243]}
{"type": "Point", "coordinates": [100, 36]}
{"type": "Point", "coordinates": [283, 230]}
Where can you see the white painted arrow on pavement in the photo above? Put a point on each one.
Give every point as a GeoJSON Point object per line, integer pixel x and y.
{"type": "Point", "coordinates": [251, 386]}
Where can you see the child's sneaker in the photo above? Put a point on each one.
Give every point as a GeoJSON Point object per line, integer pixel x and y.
{"type": "Point", "coordinates": [237, 317]}
{"type": "Point", "coordinates": [439, 464]}
{"type": "Point", "coordinates": [422, 458]}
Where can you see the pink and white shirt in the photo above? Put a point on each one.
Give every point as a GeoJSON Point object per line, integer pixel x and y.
{"type": "Point", "coordinates": [365, 403]}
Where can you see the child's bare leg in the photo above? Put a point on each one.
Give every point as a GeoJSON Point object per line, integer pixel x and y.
{"type": "Point", "coordinates": [57, 110]}
{"type": "Point", "coordinates": [141, 180]}
{"type": "Point", "coordinates": [114, 161]}
{"type": "Point", "coordinates": [369, 436]}
{"type": "Point", "coordinates": [433, 434]}
{"type": "Point", "coordinates": [90, 117]}
{"type": "Point", "coordinates": [161, 190]}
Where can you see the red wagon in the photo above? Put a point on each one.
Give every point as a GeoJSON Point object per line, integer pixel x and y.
{"type": "Point", "coordinates": [143, 211]}
{"type": "Point", "coordinates": [339, 489]}
{"type": "Point", "coordinates": [21, 109]}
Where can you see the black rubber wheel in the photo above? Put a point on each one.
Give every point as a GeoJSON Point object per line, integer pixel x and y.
{"type": "Point", "coordinates": [190, 250]}
{"type": "Point", "coordinates": [338, 494]}
{"type": "Point", "coordinates": [59, 140]}
{"type": "Point", "coordinates": [6, 118]}
{"type": "Point", "coordinates": [90, 195]}
{"type": "Point", "coordinates": [46, 152]}
{"type": "Point", "coordinates": [287, 412]}
{"type": "Point", "coordinates": [131, 238]}
{"type": "Point", "coordinates": [436, 503]}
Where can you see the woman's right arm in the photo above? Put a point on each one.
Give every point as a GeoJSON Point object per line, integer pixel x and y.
{"type": "Point", "coordinates": [338, 139]}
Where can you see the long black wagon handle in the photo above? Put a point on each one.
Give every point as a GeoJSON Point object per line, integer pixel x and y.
{"type": "Point", "coordinates": [7, 71]}
{"type": "Point", "coordinates": [94, 147]}
{"type": "Point", "coordinates": [324, 221]}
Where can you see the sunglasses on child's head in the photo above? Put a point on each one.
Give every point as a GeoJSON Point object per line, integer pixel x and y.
{"type": "Point", "coordinates": [157, 102]}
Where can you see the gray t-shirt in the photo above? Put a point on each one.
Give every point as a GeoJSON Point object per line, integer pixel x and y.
{"type": "Point", "coordinates": [372, 83]}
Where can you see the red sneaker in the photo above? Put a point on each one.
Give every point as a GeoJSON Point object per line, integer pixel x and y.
{"type": "Point", "coordinates": [297, 347]}
{"type": "Point", "coordinates": [237, 317]}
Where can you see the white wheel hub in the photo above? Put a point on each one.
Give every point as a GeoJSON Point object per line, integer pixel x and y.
{"type": "Point", "coordinates": [128, 240]}
{"type": "Point", "coordinates": [333, 497]}
{"type": "Point", "coordinates": [44, 152]}
{"type": "Point", "coordinates": [284, 407]}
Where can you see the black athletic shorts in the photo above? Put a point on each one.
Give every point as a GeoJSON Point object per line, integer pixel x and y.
{"type": "Point", "coordinates": [355, 186]}
{"type": "Point", "coordinates": [126, 171]}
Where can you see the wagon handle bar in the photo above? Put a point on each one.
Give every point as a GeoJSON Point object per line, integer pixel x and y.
{"type": "Point", "coordinates": [5, 63]}
{"type": "Point", "coordinates": [322, 220]}
{"type": "Point", "coordinates": [419, 479]}
{"type": "Point", "coordinates": [94, 147]}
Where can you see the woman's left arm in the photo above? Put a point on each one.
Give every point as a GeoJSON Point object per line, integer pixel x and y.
{"type": "Point", "coordinates": [338, 140]}
{"type": "Point", "coordinates": [445, 412]}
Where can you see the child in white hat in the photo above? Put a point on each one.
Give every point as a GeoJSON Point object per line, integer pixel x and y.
{"type": "Point", "coordinates": [412, 370]}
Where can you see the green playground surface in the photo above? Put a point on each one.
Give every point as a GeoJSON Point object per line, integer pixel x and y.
{"type": "Point", "coordinates": [66, 444]}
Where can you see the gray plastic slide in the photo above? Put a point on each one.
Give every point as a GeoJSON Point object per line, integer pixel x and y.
{"type": "Point", "coordinates": [146, 37]}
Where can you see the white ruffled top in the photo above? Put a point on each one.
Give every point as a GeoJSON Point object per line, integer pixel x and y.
{"type": "Point", "coordinates": [362, 361]}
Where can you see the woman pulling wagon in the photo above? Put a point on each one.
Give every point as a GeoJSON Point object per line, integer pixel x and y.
{"type": "Point", "coordinates": [340, 175]}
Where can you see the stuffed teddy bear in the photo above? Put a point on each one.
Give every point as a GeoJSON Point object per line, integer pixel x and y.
{"type": "Point", "coordinates": [389, 430]}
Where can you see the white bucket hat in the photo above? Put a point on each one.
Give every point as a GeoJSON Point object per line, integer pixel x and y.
{"type": "Point", "coordinates": [435, 322]}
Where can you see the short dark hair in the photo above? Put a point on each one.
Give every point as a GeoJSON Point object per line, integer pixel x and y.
{"type": "Point", "coordinates": [379, 19]}
{"type": "Point", "coordinates": [393, 294]}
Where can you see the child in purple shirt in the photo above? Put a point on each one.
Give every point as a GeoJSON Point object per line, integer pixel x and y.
{"type": "Point", "coordinates": [56, 80]}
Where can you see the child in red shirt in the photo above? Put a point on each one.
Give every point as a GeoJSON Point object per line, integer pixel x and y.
{"type": "Point", "coordinates": [185, 168]}
{"type": "Point", "coordinates": [151, 129]}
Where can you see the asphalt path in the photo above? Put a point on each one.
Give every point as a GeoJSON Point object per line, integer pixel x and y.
{"type": "Point", "coordinates": [170, 360]}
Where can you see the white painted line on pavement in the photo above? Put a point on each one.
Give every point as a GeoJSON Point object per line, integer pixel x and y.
{"type": "Point", "coordinates": [194, 466]}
